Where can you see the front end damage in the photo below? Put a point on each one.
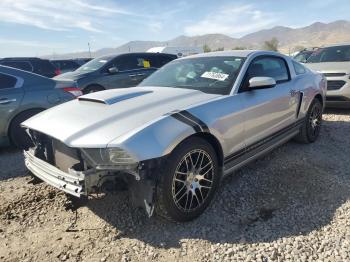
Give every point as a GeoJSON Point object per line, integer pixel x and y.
{"type": "Point", "coordinates": [84, 172]}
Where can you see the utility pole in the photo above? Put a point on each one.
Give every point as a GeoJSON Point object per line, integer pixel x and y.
{"type": "Point", "coordinates": [89, 49]}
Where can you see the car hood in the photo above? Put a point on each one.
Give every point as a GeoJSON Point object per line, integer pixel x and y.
{"type": "Point", "coordinates": [94, 120]}
{"type": "Point", "coordinates": [330, 67]}
{"type": "Point", "coordinates": [74, 75]}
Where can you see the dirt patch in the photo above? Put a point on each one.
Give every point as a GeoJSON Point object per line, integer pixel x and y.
{"type": "Point", "coordinates": [293, 204]}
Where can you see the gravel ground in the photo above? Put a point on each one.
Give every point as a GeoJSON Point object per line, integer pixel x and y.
{"type": "Point", "coordinates": [292, 205]}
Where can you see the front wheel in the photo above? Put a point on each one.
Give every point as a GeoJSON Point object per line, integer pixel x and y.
{"type": "Point", "coordinates": [311, 127]}
{"type": "Point", "coordinates": [188, 182]}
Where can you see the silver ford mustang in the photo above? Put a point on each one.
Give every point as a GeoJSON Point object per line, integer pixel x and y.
{"type": "Point", "coordinates": [172, 138]}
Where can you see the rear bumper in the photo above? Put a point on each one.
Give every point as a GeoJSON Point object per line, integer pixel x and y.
{"type": "Point", "coordinates": [70, 183]}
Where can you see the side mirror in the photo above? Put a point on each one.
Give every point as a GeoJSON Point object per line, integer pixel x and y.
{"type": "Point", "coordinates": [260, 82]}
{"type": "Point", "coordinates": [113, 70]}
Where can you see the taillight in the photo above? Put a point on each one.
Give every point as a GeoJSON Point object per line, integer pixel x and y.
{"type": "Point", "coordinates": [73, 90]}
{"type": "Point", "coordinates": [57, 72]}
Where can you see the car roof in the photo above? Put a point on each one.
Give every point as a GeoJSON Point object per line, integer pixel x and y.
{"type": "Point", "coordinates": [18, 72]}
{"type": "Point", "coordinates": [22, 58]}
{"type": "Point", "coordinates": [237, 53]}
{"type": "Point", "coordinates": [334, 45]}
{"type": "Point", "coordinates": [58, 60]}
{"type": "Point", "coordinates": [111, 56]}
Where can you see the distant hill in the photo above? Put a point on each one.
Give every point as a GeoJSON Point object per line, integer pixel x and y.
{"type": "Point", "coordinates": [316, 34]}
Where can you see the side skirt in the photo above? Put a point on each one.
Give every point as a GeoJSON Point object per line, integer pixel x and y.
{"type": "Point", "coordinates": [252, 152]}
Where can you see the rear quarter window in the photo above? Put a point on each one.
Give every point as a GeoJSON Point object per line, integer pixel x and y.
{"type": "Point", "coordinates": [7, 81]}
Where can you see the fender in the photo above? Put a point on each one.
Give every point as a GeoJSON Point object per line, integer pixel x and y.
{"type": "Point", "coordinates": [156, 140]}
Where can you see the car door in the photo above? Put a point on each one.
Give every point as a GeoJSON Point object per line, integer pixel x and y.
{"type": "Point", "coordinates": [267, 110]}
{"type": "Point", "coordinates": [142, 66]}
{"type": "Point", "coordinates": [113, 74]}
{"type": "Point", "coordinates": [11, 95]}
{"type": "Point", "coordinates": [123, 74]}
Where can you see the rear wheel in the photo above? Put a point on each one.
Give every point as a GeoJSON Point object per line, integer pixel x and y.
{"type": "Point", "coordinates": [188, 182]}
{"type": "Point", "coordinates": [311, 127]}
{"type": "Point", "coordinates": [17, 134]}
{"type": "Point", "coordinates": [92, 89]}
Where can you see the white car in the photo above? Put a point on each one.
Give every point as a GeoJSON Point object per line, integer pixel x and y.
{"type": "Point", "coordinates": [174, 136]}
{"type": "Point", "coordinates": [334, 63]}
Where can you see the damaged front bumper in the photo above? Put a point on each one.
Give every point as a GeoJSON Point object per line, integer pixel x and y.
{"type": "Point", "coordinates": [70, 183]}
{"type": "Point", "coordinates": [141, 182]}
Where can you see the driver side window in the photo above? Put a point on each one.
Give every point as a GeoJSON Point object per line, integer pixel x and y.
{"type": "Point", "coordinates": [124, 63]}
{"type": "Point", "coordinates": [267, 66]}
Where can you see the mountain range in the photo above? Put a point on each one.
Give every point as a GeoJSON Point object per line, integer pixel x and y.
{"type": "Point", "coordinates": [290, 39]}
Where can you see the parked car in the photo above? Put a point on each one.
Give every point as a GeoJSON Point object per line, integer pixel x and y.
{"type": "Point", "coordinates": [334, 63]}
{"type": "Point", "coordinates": [304, 55]}
{"type": "Point", "coordinates": [32, 64]}
{"type": "Point", "coordinates": [174, 137]}
{"type": "Point", "coordinates": [82, 61]}
{"type": "Point", "coordinates": [116, 71]}
{"type": "Point", "coordinates": [24, 94]}
{"type": "Point", "coordinates": [179, 51]}
{"type": "Point", "coordinates": [65, 65]}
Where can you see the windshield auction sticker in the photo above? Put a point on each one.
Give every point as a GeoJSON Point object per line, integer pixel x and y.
{"type": "Point", "coordinates": [215, 76]}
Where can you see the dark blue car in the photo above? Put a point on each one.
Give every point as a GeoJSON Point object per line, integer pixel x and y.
{"type": "Point", "coordinates": [116, 71]}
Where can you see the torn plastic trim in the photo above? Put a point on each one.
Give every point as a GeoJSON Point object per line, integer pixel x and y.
{"type": "Point", "coordinates": [143, 191]}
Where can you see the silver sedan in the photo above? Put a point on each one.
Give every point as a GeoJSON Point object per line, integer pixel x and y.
{"type": "Point", "coordinates": [173, 138]}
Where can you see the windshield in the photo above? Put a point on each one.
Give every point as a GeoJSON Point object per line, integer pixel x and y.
{"type": "Point", "coordinates": [330, 54]}
{"type": "Point", "coordinates": [94, 64]}
{"type": "Point", "coordinates": [213, 75]}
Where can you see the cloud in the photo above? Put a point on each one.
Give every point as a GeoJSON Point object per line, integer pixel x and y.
{"type": "Point", "coordinates": [155, 26]}
{"type": "Point", "coordinates": [232, 20]}
{"type": "Point", "coordinates": [25, 43]}
{"type": "Point", "coordinates": [58, 15]}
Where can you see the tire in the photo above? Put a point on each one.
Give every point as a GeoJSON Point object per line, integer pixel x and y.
{"type": "Point", "coordinates": [92, 89]}
{"type": "Point", "coordinates": [311, 127]}
{"type": "Point", "coordinates": [178, 180]}
{"type": "Point", "coordinates": [17, 134]}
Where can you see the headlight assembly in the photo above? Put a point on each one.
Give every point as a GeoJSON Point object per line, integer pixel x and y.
{"type": "Point", "coordinates": [119, 156]}
{"type": "Point", "coordinates": [108, 157]}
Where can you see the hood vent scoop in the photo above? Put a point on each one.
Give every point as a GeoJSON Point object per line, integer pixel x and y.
{"type": "Point", "coordinates": [97, 98]}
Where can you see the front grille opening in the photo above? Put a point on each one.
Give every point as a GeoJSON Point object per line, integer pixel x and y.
{"type": "Point", "coordinates": [57, 153]}
{"type": "Point", "coordinates": [335, 84]}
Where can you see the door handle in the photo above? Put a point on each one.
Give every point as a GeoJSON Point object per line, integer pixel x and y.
{"type": "Point", "coordinates": [133, 75]}
{"type": "Point", "coordinates": [141, 74]}
{"type": "Point", "coordinates": [7, 101]}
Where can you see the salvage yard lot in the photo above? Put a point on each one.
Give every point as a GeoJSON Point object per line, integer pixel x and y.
{"type": "Point", "coordinates": [293, 204]}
